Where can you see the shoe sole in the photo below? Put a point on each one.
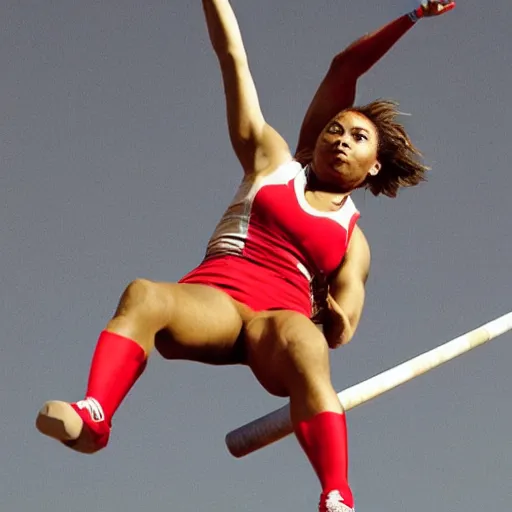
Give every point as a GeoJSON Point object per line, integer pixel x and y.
{"type": "Point", "coordinates": [60, 421]}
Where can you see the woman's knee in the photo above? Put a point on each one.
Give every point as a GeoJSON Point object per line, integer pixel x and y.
{"type": "Point", "coordinates": [299, 342]}
{"type": "Point", "coordinates": [306, 354]}
{"type": "Point", "coordinates": [145, 299]}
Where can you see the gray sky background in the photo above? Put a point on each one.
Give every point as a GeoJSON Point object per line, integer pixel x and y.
{"type": "Point", "coordinates": [115, 164]}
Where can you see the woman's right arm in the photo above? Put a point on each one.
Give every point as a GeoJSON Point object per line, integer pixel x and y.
{"type": "Point", "coordinates": [258, 146]}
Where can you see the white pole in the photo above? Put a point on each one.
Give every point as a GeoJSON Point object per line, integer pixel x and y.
{"type": "Point", "coordinates": [276, 425]}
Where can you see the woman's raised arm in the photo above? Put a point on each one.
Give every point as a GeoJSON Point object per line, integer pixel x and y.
{"type": "Point", "coordinates": [338, 88]}
{"type": "Point", "coordinates": [256, 144]}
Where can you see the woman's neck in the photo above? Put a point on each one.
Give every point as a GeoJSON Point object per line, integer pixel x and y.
{"type": "Point", "coordinates": [323, 195]}
{"type": "Point", "coordinates": [313, 184]}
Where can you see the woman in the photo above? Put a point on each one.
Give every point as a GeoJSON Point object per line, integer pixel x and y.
{"type": "Point", "coordinates": [290, 230]}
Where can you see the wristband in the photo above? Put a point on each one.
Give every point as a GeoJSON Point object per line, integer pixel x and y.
{"type": "Point", "coordinates": [415, 15]}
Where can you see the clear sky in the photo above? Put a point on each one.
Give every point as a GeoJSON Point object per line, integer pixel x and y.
{"type": "Point", "coordinates": [115, 164]}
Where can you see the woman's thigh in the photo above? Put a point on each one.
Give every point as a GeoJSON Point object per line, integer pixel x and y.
{"type": "Point", "coordinates": [205, 325]}
{"type": "Point", "coordinates": [282, 346]}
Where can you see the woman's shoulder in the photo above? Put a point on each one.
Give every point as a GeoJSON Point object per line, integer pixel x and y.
{"type": "Point", "coordinates": [282, 173]}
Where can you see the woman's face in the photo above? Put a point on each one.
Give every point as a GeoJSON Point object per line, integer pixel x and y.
{"type": "Point", "coordinates": [346, 151]}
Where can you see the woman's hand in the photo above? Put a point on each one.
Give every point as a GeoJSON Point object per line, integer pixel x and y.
{"type": "Point", "coordinates": [337, 328]}
{"type": "Point", "coordinates": [432, 8]}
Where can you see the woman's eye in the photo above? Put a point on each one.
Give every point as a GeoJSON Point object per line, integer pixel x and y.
{"type": "Point", "coordinates": [360, 136]}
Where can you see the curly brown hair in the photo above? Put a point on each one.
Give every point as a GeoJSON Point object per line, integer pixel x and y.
{"type": "Point", "coordinates": [399, 158]}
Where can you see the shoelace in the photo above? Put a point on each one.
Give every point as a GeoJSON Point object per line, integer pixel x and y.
{"type": "Point", "coordinates": [93, 407]}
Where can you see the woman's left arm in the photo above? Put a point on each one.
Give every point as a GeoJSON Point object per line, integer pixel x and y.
{"type": "Point", "coordinates": [338, 88]}
{"type": "Point", "coordinates": [345, 300]}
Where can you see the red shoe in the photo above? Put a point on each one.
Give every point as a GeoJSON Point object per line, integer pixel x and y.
{"type": "Point", "coordinates": [333, 502]}
{"type": "Point", "coordinates": [81, 426]}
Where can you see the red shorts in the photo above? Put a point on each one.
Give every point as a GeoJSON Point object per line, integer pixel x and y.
{"type": "Point", "coordinates": [253, 285]}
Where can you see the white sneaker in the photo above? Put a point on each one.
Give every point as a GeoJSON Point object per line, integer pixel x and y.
{"type": "Point", "coordinates": [333, 502]}
{"type": "Point", "coordinates": [79, 425]}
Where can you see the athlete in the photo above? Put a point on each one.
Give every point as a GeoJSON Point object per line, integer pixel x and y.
{"type": "Point", "coordinates": [286, 252]}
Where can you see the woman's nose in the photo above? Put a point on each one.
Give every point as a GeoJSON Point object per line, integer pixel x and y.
{"type": "Point", "coordinates": [342, 143]}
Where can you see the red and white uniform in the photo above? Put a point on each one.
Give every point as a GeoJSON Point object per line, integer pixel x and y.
{"type": "Point", "coordinates": [270, 243]}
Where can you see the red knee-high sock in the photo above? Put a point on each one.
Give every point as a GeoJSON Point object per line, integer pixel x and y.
{"type": "Point", "coordinates": [116, 365]}
{"type": "Point", "coordinates": [324, 439]}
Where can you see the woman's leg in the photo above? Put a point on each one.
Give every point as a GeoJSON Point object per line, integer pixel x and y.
{"type": "Point", "coordinates": [290, 357]}
{"type": "Point", "coordinates": [185, 319]}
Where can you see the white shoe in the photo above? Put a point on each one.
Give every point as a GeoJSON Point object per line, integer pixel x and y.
{"type": "Point", "coordinates": [333, 502]}
{"type": "Point", "coordinates": [78, 425]}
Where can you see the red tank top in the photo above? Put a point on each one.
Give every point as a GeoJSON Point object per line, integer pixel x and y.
{"type": "Point", "coordinates": [284, 240]}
